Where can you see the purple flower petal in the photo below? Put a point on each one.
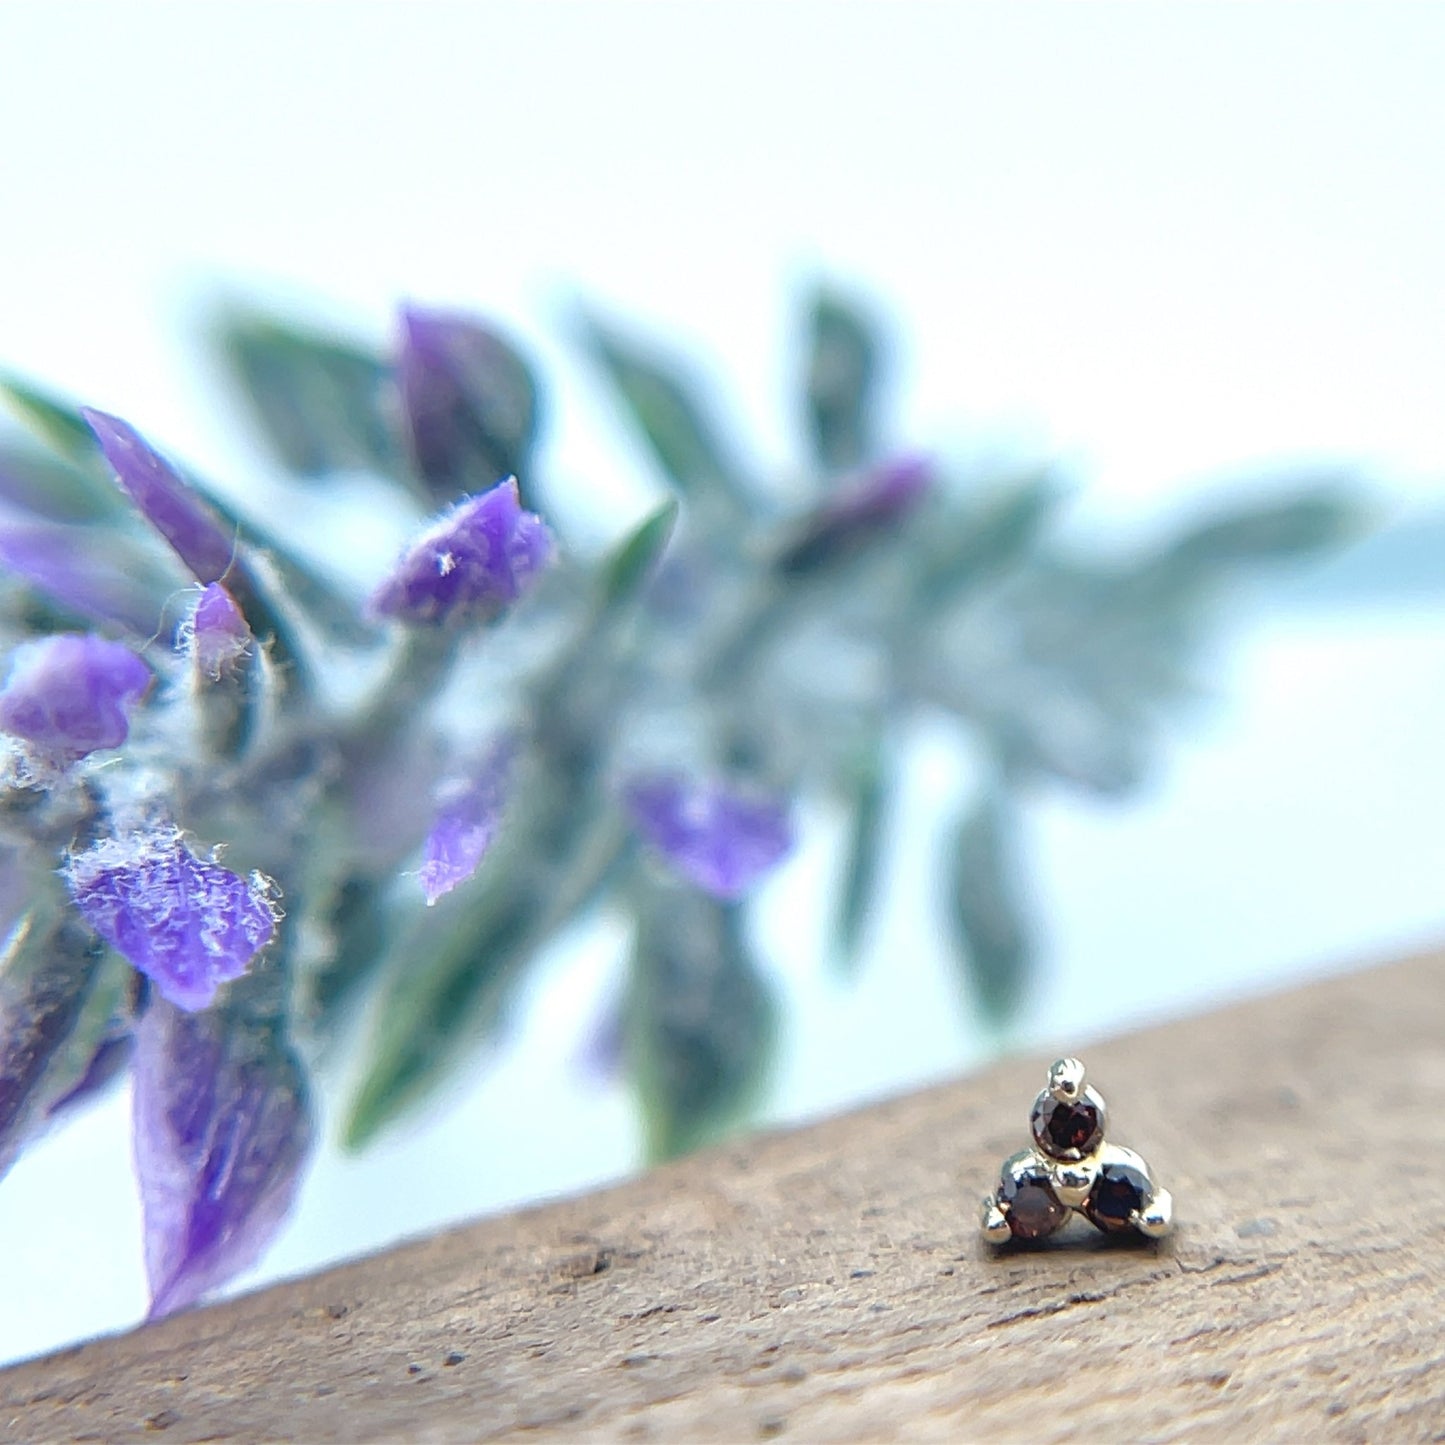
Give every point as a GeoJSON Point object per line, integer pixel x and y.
{"type": "Point", "coordinates": [164, 499]}
{"type": "Point", "coordinates": [471, 564]}
{"type": "Point", "coordinates": [217, 637]}
{"type": "Point", "coordinates": [468, 816]}
{"type": "Point", "coordinates": [222, 1128]}
{"type": "Point", "coordinates": [185, 922]}
{"type": "Point", "coordinates": [468, 401]}
{"type": "Point", "coordinates": [71, 694]}
{"type": "Point", "coordinates": [717, 837]}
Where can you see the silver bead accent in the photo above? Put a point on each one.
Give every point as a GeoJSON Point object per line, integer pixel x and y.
{"type": "Point", "coordinates": [992, 1223]}
{"type": "Point", "coordinates": [1158, 1219]}
{"type": "Point", "coordinates": [1073, 1179]}
{"type": "Point", "coordinates": [1066, 1080]}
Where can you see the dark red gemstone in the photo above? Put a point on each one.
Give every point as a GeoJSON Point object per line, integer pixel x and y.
{"type": "Point", "coordinates": [1120, 1192]}
{"type": "Point", "coordinates": [1029, 1202]}
{"type": "Point", "coordinates": [1067, 1130]}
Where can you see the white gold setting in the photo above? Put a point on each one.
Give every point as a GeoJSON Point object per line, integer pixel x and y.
{"type": "Point", "coordinates": [1072, 1170]}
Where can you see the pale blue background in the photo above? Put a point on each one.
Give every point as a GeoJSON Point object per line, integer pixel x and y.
{"type": "Point", "coordinates": [1165, 242]}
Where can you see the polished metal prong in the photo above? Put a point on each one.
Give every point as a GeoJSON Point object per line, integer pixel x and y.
{"type": "Point", "coordinates": [1157, 1220]}
{"type": "Point", "coordinates": [992, 1223]}
{"type": "Point", "coordinates": [1066, 1080]}
{"type": "Point", "coordinates": [1073, 1179]}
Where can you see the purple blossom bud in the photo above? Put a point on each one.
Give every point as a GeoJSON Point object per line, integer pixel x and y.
{"type": "Point", "coordinates": [198, 538]}
{"type": "Point", "coordinates": [71, 694]}
{"type": "Point", "coordinates": [222, 1128]}
{"type": "Point", "coordinates": [469, 403]}
{"type": "Point", "coordinates": [470, 565]}
{"type": "Point", "coordinates": [880, 498]}
{"type": "Point", "coordinates": [79, 570]}
{"type": "Point", "coordinates": [716, 836]}
{"type": "Point", "coordinates": [469, 813]}
{"type": "Point", "coordinates": [185, 922]}
{"type": "Point", "coordinates": [217, 636]}
{"type": "Point", "coordinates": [883, 494]}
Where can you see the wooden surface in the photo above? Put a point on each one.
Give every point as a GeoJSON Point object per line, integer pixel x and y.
{"type": "Point", "coordinates": [826, 1284]}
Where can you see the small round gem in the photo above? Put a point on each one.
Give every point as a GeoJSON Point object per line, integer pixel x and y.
{"type": "Point", "coordinates": [1068, 1129]}
{"type": "Point", "coordinates": [1028, 1199]}
{"type": "Point", "coordinates": [1122, 1191]}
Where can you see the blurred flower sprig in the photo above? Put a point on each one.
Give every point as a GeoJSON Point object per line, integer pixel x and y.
{"type": "Point", "coordinates": [240, 813]}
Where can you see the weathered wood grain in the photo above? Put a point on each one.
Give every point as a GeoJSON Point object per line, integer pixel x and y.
{"type": "Point", "coordinates": [826, 1284]}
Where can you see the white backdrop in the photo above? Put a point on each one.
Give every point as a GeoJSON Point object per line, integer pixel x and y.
{"type": "Point", "coordinates": [1167, 242]}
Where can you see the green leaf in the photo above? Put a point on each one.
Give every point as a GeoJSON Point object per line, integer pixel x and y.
{"type": "Point", "coordinates": [843, 364]}
{"type": "Point", "coordinates": [1063, 668]}
{"type": "Point", "coordinates": [59, 992]}
{"type": "Point", "coordinates": [1274, 531]}
{"type": "Point", "coordinates": [51, 418]}
{"type": "Point", "coordinates": [359, 922]}
{"type": "Point", "coordinates": [983, 538]}
{"type": "Point", "coordinates": [445, 993]}
{"type": "Point", "coordinates": [629, 567]}
{"type": "Point", "coordinates": [319, 401]}
{"type": "Point", "coordinates": [55, 489]}
{"type": "Point", "coordinates": [701, 1020]}
{"type": "Point", "coordinates": [1071, 665]}
{"type": "Point", "coordinates": [105, 1013]}
{"type": "Point", "coordinates": [675, 424]}
{"type": "Point", "coordinates": [869, 786]}
{"type": "Point", "coordinates": [585, 672]}
{"type": "Point", "coordinates": [452, 975]}
{"type": "Point", "coordinates": [988, 909]}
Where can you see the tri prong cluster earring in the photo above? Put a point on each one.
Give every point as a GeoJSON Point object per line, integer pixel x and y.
{"type": "Point", "coordinates": [1073, 1169]}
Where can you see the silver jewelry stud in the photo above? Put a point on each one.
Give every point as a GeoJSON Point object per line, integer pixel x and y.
{"type": "Point", "coordinates": [1071, 1169]}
